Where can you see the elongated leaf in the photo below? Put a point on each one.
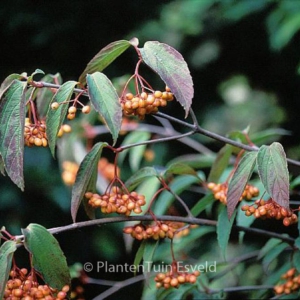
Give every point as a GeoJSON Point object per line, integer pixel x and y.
{"type": "Point", "coordinates": [201, 204]}
{"type": "Point", "coordinates": [8, 81]}
{"type": "Point", "coordinates": [139, 256]}
{"type": "Point", "coordinates": [239, 180]}
{"type": "Point", "coordinates": [273, 172]}
{"type": "Point", "coordinates": [12, 120]}
{"type": "Point", "coordinates": [105, 100]}
{"type": "Point", "coordinates": [86, 173]}
{"type": "Point", "coordinates": [270, 244]}
{"type": "Point", "coordinates": [47, 256]}
{"type": "Point", "coordinates": [56, 117]}
{"type": "Point", "coordinates": [149, 251]}
{"type": "Point", "coordinates": [181, 168]}
{"type": "Point", "coordinates": [220, 163]}
{"type": "Point", "coordinates": [6, 254]}
{"type": "Point", "coordinates": [104, 58]}
{"type": "Point", "coordinates": [139, 176]}
{"type": "Point", "coordinates": [273, 254]}
{"type": "Point", "coordinates": [223, 229]}
{"type": "Point", "coordinates": [173, 70]}
{"type": "Point", "coordinates": [91, 187]}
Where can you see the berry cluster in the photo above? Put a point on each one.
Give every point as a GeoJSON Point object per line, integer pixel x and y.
{"type": "Point", "coordinates": [291, 284]}
{"type": "Point", "coordinates": [24, 287]}
{"type": "Point", "coordinates": [220, 191]}
{"type": "Point", "coordinates": [270, 209]}
{"type": "Point", "coordinates": [159, 230]}
{"type": "Point", "coordinates": [107, 169]}
{"type": "Point", "coordinates": [69, 172]}
{"type": "Point", "coordinates": [144, 103]}
{"type": "Point", "coordinates": [117, 201]}
{"type": "Point", "coordinates": [72, 110]}
{"type": "Point", "coordinates": [35, 134]}
{"type": "Point", "coordinates": [174, 279]}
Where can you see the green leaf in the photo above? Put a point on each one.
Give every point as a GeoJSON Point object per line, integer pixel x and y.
{"type": "Point", "coordinates": [273, 172]}
{"type": "Point", "coordinates": [270, 244]}
{"type": "Point", "coordinates": [224, 226]}
{"type": "Point", "coordinates": [149, 251]}
{"type": "Point", "coordinates": [239, 180]}
{"type": "Point", "coordinates": [12, 120]}
{"type": "Point", "coordinates": [104, 58]}
{"type": "Point", "coordinates": [105, 100]}
{"type": "Point", "coordinates": [220, 163]}
{"type": "Point", "coordinates": [91, 187]}
{"type": "Point", "coordinates": [8, 81]}
{"type": "Point", "coordinates": [6, 254]}
{"type": "Point", "coordinates": [85, 175]}
{"type": "Point", "coordinates": [273, 254]}
{"type": "Point", "coordinates": [136, 153]}
{"type": "Point", "coordinates": [55, 118]}
{"type": "Point", "coordinates": [47, 256]}
{"type": "Point", "coordinates": [173, 70]}
{"type": "Point", "coordinates": [201, 204]}
{"type": "Point", "coordinates": [139, 176]}
{"type": "Point", "coordinates": [139, 256]}
{"type": "Point", "coordinates": [181, 169]}
{"type": "Point", "coordinates": [296, 260]}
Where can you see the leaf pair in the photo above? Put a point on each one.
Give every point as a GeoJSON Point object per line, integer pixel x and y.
{"type": "Point", "coordinates": [272, 169]}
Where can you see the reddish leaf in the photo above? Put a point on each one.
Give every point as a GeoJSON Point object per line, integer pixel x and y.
{"type": "Point", "coordinates": [173, 70]}
{"type": "Point", "coordinates": [239, 180]}
{"type": "Point", "coordinates": [273, 172]}
{"type": "Point", "coordinates": [104, 58]}
{"type": "Point", "coordinates": [12, 120]}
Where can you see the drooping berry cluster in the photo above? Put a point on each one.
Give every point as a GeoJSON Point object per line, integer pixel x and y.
{"type": "Point", "coordinates": [72, 110]}
{"type": "Point", "coordinates": [220, 191]}
{"type": "Point", "coordinates": [24, 287]}
{"type": "Point", "coordinates": [117, 201]}
{"type": "Point", "coordinates": [69, 172]}
{"type": "Point", "coordinates": [35, 134]}
{"type": "Point", "coordinates": [174, 279]}
{"type": "Point", "coordinates": [291, 283]}
{"type": "Point", "coordinates": [107, 169]}
{"type": "Point", "coordinates": [270, 210]}
{"type": "Point", "coordinates": [145, 103]}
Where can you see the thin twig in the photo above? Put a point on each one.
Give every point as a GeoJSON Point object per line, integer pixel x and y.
{"type": "Point", "coordinates": [119, 285]}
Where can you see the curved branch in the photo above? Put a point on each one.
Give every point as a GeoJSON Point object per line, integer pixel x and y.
{"type": "Point", "coordinates": [187, 220]}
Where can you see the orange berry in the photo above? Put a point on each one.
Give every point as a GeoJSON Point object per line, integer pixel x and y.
{"type": "Point", "coordinates": [72, 110]}
{"type": "Point", "coordinates": [54, 105]}
{"type": "Point", "coordinates": [158, 94]}
{"type": "Point", "coordinates": [38, 142]}
{"type": "Point", "coordinates": [70, 116]}
{"type": "Point", "coordinates": [86, 109]}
